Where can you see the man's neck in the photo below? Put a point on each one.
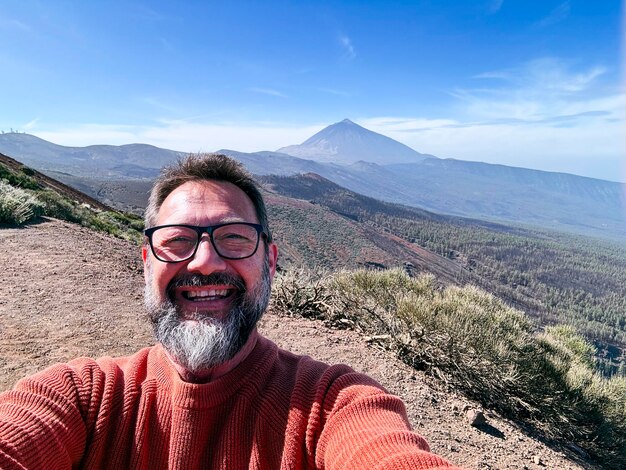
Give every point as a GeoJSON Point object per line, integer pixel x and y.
{"type": "Point", "coordinates": [218, 371]}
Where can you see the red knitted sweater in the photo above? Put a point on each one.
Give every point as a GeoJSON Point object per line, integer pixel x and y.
{"type": "Point", "coordinates": [275, 410]}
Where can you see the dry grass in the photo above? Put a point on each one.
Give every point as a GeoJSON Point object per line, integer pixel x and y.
{"type": "Point", "coordinates": [17, 206]}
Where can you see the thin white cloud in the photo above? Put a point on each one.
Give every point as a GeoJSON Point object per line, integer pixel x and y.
{"type": "Point", "coordinates": [548, 73]}
{"type": "Point", "coordinates": [346, 43]}
{"type": "Point", "coordinates": [545, 114]}
{"type": "Point", "coordinates": [13, 24]}
{"type": "Point", "coordinates": [494, 6]}
{"type": "Point", "coordinates": [560, 13]}
{"type": "Point", "coordinates": [267, 91]}
{"type": "Point", "coordinates": [536, 90]}
{"type": "Point", "coordinates": [159, 104]}
{"type": "Point", "coordinates": [29, 126]}
{"type": "Point", "coordinates": [332, 91]}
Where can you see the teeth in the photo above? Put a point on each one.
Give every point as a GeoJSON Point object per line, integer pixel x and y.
{"type": "Point", "coordinates": [207, 293]}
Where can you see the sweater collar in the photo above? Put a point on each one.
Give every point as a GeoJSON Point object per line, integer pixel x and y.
{"type": "Point", "coordinates": [251, 368]}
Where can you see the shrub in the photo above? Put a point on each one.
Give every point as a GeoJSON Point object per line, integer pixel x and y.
{"type": "Point", "coordinates": [114, 223]}
{"type": "Point", "coordinates": [17, 206]}
{"type": "Point", "coordinates": [58, 207]}
{"type": "Point", "coordinates": [302, 292]}
{"type": "Point", "coordinates": [20, 179]}
{"type": "Point", "coordinates": [125, 226]}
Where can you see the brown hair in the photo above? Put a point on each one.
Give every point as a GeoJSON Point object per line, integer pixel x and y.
{"type": "Point", "coordinates": [205, 166]}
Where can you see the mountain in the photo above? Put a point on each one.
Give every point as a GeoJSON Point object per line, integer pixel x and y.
{"type": "Point", "coordinates": [110, 161]}
{"type": "Point", "coordinates": [346, 142]}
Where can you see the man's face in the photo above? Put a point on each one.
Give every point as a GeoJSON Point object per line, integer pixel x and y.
{"type": "Point", "coordinates": [207, 299]}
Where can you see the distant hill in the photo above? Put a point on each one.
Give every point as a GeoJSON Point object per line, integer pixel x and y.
{"type": "Point", "coordinates": [346, 142]}
{"type": "Point", "coordinates": [551, 200]}
{"type": "Point", "coordinates": [110, 161]}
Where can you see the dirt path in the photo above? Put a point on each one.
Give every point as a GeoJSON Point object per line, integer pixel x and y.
{"type": "Point", "coordinates": [67, 291]}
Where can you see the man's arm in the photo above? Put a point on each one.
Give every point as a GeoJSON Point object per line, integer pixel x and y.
{"type": "Point", "coordinates": [366, 427]}
{"type": "Point", "coordinates": [42, 420]}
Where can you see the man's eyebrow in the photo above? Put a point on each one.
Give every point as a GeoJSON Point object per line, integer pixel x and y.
{"type": "Point", "coordinates": [227, 220]}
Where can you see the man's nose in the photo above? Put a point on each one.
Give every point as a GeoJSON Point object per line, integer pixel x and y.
{"type": "Point", "coordinates": [206, 260]}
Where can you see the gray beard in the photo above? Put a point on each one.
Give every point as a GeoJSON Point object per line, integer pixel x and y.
{"type": "Point", "coordinates": [204, 342]}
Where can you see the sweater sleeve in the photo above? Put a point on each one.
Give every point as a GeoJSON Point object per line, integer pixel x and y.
{"type": "Point", "coordinates": [366, 427]}
{"type": "Point", "coordinates": [43, 419]}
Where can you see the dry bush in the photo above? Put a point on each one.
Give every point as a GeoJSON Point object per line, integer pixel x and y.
{"type": "Point", "coordinates": [303, 293]}
{"type": "Point", "coordinates": [17, 206]}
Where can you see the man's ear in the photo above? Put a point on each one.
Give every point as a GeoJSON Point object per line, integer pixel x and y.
{"type": "Point", "coordinates": [272, 254]}
{"type": "Point", "coordinates": [144, 257]}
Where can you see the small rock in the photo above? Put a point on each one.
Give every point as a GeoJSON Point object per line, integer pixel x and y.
{"type": "Point", "coordinates": [578, 450]}
{"type": "Point", "coordinates": [537, 460]}
{"type": "Point", "coordinates": [460, 406]}
{"type": "Point", "coordinates": [475, 417]}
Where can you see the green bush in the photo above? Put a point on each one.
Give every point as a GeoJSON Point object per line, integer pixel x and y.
{"type": "Point", "coordinates": [58, 206]}
{"type": "Point", "coordinates": [117, 224]}
{"type": "Point", "coordinates": [121, 225]}
{"type": "Point", "coordinates": [17, 206]}
{"type": "Point", "coordinates": [20, 179]}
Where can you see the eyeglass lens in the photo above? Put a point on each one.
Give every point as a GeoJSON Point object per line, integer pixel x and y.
{"type": "Point", "coordinates": [179, 243]}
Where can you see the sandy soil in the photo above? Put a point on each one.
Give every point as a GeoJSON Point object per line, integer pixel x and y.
{"type": "Point", "coordinates": [68, 291]}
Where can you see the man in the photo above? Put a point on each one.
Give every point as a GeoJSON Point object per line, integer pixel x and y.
{"type": "Point", "coordinates": [212, 393]}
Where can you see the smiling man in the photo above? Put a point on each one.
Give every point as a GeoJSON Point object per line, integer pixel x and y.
{"type": "Point", "coordinates": [212, 393]}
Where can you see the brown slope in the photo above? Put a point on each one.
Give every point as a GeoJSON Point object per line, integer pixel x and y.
{"type": "Point", "coordinates": [312, 235]}
{"type": "Point", "coordinates": [69, 291]}
{"type": "Point", "coordinates": [51, 183]}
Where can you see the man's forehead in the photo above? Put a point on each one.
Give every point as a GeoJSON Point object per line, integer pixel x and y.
{"type": "Point", "coordinates": [199, 191]}
{"type": "Point", "coordinates": [210, 193]}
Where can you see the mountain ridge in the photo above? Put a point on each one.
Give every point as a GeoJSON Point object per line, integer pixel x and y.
{"type": "Point", "coordinates": [500, 193]}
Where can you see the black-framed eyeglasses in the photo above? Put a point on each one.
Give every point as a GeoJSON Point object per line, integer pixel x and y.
{"type": "Point", "coordinates": [176, 243]}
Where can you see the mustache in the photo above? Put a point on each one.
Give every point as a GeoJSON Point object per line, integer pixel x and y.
{"type": "Point", "coordinates": [198, 280]}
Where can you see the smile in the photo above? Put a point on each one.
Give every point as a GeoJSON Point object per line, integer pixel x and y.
{"type": "Point", "coordinates": [206, 294]}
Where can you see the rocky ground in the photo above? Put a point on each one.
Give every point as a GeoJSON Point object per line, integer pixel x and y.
{"type": "Point", "coordinates": [68, 291]}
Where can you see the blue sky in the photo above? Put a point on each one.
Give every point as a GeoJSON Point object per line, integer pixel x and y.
{"type": "Point", "coordinates": [537, 84]}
